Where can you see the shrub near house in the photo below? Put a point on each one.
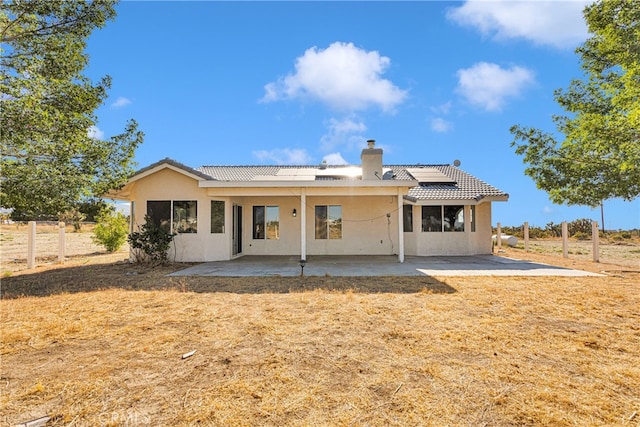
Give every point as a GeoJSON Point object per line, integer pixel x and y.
{"type": "Point", "coordinates": [111, 229]}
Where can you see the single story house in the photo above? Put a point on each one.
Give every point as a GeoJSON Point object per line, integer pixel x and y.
{"type": "Point", "coordinates": [223, 212]}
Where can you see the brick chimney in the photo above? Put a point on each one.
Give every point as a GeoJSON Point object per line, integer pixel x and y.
{"type": "Point", "coordinates": [371, 159]}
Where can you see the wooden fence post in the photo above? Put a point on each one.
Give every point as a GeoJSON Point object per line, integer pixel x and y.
{"type": "Point", "coordinates": [526, 237]}
{"type": "Point", "coordinates": [499, 236]}
{"type": "Point", "coordinates": [31, 244]}
{"type": "Point", "coordinates": [595, 239]}
{"type": "Point", "coordinates": [61, 242]}
{"type": "Point", "coordinates": [565, 241]}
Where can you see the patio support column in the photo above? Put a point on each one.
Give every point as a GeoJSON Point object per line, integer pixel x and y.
{"type": "Point", "coordinates": [400, 228]}
{"type": "Point", "coordinates": [303, 223]}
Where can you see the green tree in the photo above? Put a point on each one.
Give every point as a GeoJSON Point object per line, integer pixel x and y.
{"type": "Point", "coordinates": [111, 230]}
{"type": "Point", "coordinates": [599, 157]}
{"type": "Point", "coordinates": [50, 159]}
{"type": "Point", "coordinates": [92, 207]}
{"type": "Point", "coordinates": [73, 216]}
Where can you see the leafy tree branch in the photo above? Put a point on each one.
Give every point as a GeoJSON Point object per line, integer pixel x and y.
{"type": "Point", "coordinates": [50, 160]}
{"type": "Point", "coordinates": [599, 157]}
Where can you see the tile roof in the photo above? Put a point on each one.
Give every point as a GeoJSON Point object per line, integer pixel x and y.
{"type": "Point", "coordinates": [464, 187]}
{"type": "Point", "coordinates": [240, 173]}
{"type": "Point", "coordinates": [168, 161]}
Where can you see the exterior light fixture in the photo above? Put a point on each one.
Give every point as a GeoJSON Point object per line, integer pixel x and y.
{"type": "Point", "coordinates": [294, 213]}
{"type": "Point", "coordinates": [302, 264]}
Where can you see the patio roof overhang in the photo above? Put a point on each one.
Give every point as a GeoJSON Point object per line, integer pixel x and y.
{"type": "Point", "coordinates": [337, 191]}
{"type": "Point", "coordinates": [311, 188]}
{"type": "Point", "coordinates": [478, 200]}
{"type": "Point", "coordinates": [307, 184]}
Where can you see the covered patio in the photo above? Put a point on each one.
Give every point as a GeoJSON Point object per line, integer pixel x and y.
{"type": "Point", "coordinates": [377, 265]}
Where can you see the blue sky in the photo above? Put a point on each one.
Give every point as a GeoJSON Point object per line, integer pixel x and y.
{"type": "Point", "coordinates": [239, 83]}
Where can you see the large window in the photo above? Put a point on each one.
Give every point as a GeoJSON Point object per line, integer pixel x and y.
{"type": "Point", "coordinates": [432, 218]}
{"type": "Point", "coordinates": [185, 216]}
{"type": "Point", "coordinates": [442, 218]}
{"type": "Point", "coordinates": [159, 212]}
{"type": "Point", "coordinates": [266, 222]}
{"type": "Point", "coordinates": [217, 216]}
{"type": "Point", "coordinates": [328, 222]}
{"type": "Point", "coordinates": [407, 218]}
{"type": "Point", "coordinates": [178, 216]}
{"type": "Point", "coordinates": [453, 218]}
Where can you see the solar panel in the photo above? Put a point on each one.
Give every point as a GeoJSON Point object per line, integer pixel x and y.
{"type": "Point", "coordinates": [296, 172]}
{"type": "Point", "coordinates": [430, 176]}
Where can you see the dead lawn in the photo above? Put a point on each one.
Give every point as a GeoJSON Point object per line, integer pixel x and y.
{"type": "Point", "coordinates": [78, 247]}
{"type": "Point", "coordinates": [625, 252]}
{"type": "Point", "coordinates": [100, 342]}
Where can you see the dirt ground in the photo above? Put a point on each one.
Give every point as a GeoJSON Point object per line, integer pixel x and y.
{"type": "Point", "coordinates": [78, 246]}
{"type": "Point", "coordinates": [100, 342]}
{"type": "Point", "coordinates": [624, 252]}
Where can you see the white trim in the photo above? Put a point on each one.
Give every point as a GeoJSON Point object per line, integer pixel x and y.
{"type": "Point", "coordinates": [449, 202]}
{"type": "Point", "coordinates": [161, 167]}
{"type": "Point", "coordinates": [400, 228]}
{"type": "Point", "coordinates": [314, 191]}
{"type": "Point", "coordinates": [298, 184]}
{"type": "Point", "coordinates": [303, 224]}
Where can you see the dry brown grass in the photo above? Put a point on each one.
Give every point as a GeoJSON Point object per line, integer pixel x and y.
{"type": "Point", "coordinates": [98, 343]}
{"type": "Point", "coordinates": [621, 252]}
{"type": "Point", "coordinates": [79, 247]}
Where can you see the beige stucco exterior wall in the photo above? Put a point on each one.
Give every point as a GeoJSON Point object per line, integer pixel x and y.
{"type": "Point", "coordinates": [482, 240]}
{"type": "Point", "coordinates": [421, 243]}
{"type": "Point", "coordinates": [167, 184]}
{"type": "Point", "coordinates": [366, 228]}
{"type": "Point", "coordinates": [289, 238]}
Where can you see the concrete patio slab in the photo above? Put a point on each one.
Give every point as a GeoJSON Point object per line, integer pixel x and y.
{"type": "Point", "coordinates": [377, 265]}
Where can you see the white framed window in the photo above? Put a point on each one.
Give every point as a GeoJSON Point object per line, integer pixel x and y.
{"type": "Point", "coordinates": [407, 218]}
{"type": "Point", "coordinates": [328, 222]}
{"type": "Point", "coordinates": [442, 218]}
{"type": "Point", "coordinates": [266, 222]}
{"type": "Point", "coordinates": [177, 216]}
{"type": "Point", "coordinates": [217, 216]}
{"type": "Point", "coordinates": [185, 216]}
{"type": "Point", "coordinates": [472, 219]}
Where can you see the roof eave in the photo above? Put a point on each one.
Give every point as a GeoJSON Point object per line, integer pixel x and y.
{"type": "Point", "coordinates": [299, 184]}
{"type": "Point", "coordinates": [123, 194]}
{"type": "Point", "coordinates": [484, 199]}
{"type": "Point", "coordinates": [453, 201]}
{"type": "Point", "coordinates": [172, 165]}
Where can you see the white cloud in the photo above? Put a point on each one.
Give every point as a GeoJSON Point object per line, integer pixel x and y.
{"type": "Point", "coordinates": [341, 76]}
{"type": "Point", "coordinates": [95, 132]}
{"type": "Point", "coordinates": [441, 125]}
{"type": "Point", "coordinates": [335, 159]}
{"type": "Point", "coordinates": [346, 132]}
{"type": "Point", "coordinates": [488, 85]}
{"type": "Point", "coordinates": [555, 23]}
{"type": "Point", "coordinates": [442, 108]}
{"type": "Point", "coordinates": [121, 102]}
{"type": "Point", "coordinates": [284, 156]}
{"type": "Point", "coordinates": [548, 210]}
